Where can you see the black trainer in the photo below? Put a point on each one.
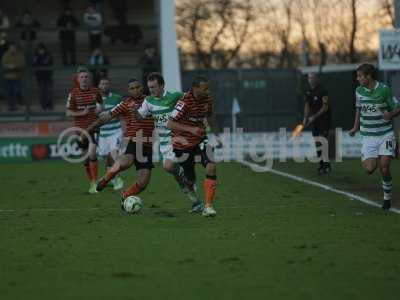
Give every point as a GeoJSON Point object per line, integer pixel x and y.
{"type": "Point", "coordinates": [101, 184]}
{"type": "Point", "coordinates": [387, 204]}
{"type": "Point", "coordinates": [321, 170]}
{"type": "Point", "coordinates": [327, 168]}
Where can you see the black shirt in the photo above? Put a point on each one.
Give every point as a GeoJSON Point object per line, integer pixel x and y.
{"type": "Point", "coordinates": [314, 97]}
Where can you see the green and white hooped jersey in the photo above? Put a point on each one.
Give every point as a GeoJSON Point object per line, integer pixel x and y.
{"type": "Point", "coordinates": [160, 109]}
{"type": "Point", "coordinates": [372, 104]}
{"type": "Point", "coordinates": [114, 126]}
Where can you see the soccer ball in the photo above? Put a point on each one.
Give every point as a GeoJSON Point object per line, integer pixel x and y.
{"type": "Point", "coordinates": [132, 204]}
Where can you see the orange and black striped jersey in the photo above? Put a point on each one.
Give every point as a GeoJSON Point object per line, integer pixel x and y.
{"type": "Point", "coordinates": [192, 112]}
{"type": "Point", "coordinates": [79, 99]}
{"type": "Point", "coordinates": [132, 126]}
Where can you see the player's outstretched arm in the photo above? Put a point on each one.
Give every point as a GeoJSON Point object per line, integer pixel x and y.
{"type": "Point", "coordinates": [143, 111]}
{"type": "Point", "coordinates": [356, 126]}
{"type": "Point", "coordinates": [104, 118]}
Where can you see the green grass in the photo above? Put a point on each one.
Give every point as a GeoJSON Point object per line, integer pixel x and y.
{"type": "Point", "coordinates": [273, 238]}
{"type": "Point", "coordinates": [349, 176]}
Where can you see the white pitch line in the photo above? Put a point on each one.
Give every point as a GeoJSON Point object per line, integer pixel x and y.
{"type": "Point", "coordinates": [352, 196]}
{"type": "Point", "coordinates": [47, 209]}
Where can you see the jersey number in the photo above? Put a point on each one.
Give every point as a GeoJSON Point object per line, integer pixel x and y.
{"type": "Point", "coordinates": [369, 108]}
{"type": "Point", "coordinates": [389, 145]}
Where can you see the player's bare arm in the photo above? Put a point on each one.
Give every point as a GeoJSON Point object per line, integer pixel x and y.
{"type": "Point", "coordinates": [213, 124]}
{"type": "Point", "coordinates": [388, 115]}
{"type": "Point", "coordinates": [356, 126]}
{"type": "Point", "coordinates": [324, 109]}
{"type": "Point", "coordinates": [104, 118]}
{"type": "Point", "coordinates": [306, 113]}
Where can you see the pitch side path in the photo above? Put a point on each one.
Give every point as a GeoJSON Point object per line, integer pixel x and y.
{"type": "Point", "coordinates": [273, 237]}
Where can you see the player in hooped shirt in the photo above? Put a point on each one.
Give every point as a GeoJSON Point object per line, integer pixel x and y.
{"type": "Point", "coordinates": [188, 123]}
{"type": "Point", "coordinates": [83, 103]}
{"type": "Point", "coordinates": [137, 143]}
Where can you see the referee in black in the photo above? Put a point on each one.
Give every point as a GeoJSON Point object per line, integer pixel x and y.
{"type": "Point", "coordinates": [317, 116]}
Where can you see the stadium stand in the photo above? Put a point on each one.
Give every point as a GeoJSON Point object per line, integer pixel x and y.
{"type": "Point", "coordinates": [124, 55]}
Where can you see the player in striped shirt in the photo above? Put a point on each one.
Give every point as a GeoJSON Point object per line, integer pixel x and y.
{"type": "Point", "coordinates": [160, 105]}
{"type": "Point", "coordinates": [137, 142]}
{"type": "Point", "coordinates": [82, 104]}
{"type": "Point", "coordinates": [188, 123]}
{"type": "Point", "coordinates": [375, 109]}
{"type": "Point", "coordinates": [110, 137]}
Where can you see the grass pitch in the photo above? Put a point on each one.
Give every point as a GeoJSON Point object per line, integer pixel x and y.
{"type": "Point", "coordinates": [273, 238]}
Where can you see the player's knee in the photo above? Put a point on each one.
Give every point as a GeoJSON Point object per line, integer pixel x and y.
{"type": "Point", "coordinates": [369, 169]}
{"type": "Point", "coordinates": [169, 166]}
{"type": "Point", "coordinates": [211, 169]}
{"type": "Point", "coordinates": [385, 170]}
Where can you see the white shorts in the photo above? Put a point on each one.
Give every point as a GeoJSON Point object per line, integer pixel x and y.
{"type": "Point", "coordinates": [167, 152]}
{"type": "Point", "coordinates": [374, 146]}
{"type": "Point", "coordinates": [110, 143]}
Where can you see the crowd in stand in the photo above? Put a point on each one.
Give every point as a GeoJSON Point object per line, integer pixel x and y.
{"type": "Point", "coordinates": [25, 51]}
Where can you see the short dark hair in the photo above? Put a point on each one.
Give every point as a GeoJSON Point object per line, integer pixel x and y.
{"type": "Point", "coordinates": [133, 80]}
{"type": "Point", "coordinates": [83, 71]}
{"type": "Point", "coordinates": [82, 68]}
{"type": "Point", "coordinates": [198, 80]}
{"type": "Point", "coordinates": [156, 76]}
{"type": "Point", "coordinates": [367, 69]}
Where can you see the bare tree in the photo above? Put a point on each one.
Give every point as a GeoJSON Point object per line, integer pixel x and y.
{"type": "Point", "coordinates": [212, 28]}
{"type": "Point", "coordinates": [284, 33]}
{"type": "Point", "coordinates": [221, 33]}
{"type": "Point", "coordinates": [386, 10]}
{"type": "Point", "coordinates": [354, 23]}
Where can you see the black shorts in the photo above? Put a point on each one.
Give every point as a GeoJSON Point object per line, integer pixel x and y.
{"type": "Point", "coordinates": [202, 153]}
{"type": "Point", "coordinates": [94, 139]}
{"type": "Point", "coordinates": [320, 131]}
{"type": "Point", "coordinates": [143, 156]}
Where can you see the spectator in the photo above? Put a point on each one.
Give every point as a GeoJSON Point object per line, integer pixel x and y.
{"type": "Point", "coordinates": [3, 48]}
{"type": "Point", "coordinates": [28, 24]}
{"type": "Point", "coordinates": [119, 10]}
{"type": "Point", "coordinates": [67, 24]}
{"type": "Point", "coordinates": [3, 44]}
{"type": "Point", "coordinates": [44, 75]}
{"type": "Point", "coordinates": [97, 62]}
{"type": "Point", "coordinates": [94, 23]}
{"type": "Point", "coordinates": [99, 5]}
{"type": "Point", "coordinates": [4, 23]}
{"type": "Point", "coordinates": [150, 63]}
{"type": "Point", "coordinates": [13, 62]}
